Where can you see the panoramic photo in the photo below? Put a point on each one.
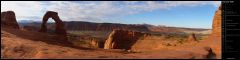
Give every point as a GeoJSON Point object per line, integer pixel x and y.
{"type": "Point", "coordinates": [111, 30]}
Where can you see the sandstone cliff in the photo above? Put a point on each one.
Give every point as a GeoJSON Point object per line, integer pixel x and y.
{"type": "Point", "coordinates": [217, 23]}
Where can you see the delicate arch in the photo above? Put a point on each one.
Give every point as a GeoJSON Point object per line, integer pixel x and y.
{"type": "Point", "coordinates": [59, 24]}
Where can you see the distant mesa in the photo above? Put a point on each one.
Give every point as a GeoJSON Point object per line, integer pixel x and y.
{"type": "Point", "coordinates": [89, 26]}
{"type": "Point", "coordinates": [8, 19]}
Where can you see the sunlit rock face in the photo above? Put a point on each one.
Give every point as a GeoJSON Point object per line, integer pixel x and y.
{"type": "Point", "coordinates": [215, 41]}
{"type": "Point", "coordinates": [217, 23]}
{"type": "Point", "coordinates": [122, 39]}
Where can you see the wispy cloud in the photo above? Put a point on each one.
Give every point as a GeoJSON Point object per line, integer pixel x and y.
{"type": "Point", "coordinates": [92, 11]}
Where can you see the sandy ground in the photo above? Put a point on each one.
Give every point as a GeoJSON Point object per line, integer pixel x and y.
{"type": "Point", "coordinates": [23, 44]}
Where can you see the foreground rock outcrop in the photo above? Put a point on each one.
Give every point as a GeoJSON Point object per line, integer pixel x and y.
{"type": "Point", "coordinates": [217, 23]}
{"type": "Point", "coordinates": [216, 36]}
{"type": "Point", "coordinates": [122, 39]}
{"type": "Point", "coordinates": [191, 38]}
{"type": "Point", "coordinates": [214, 41]}
{"type": "Point", "coordinates": [8, 19]}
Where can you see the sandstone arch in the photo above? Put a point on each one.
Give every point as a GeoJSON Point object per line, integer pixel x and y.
{"type": "Point", "coordinates": [59, 24]}
{"type": "Point", "coordinates": [8, 19]}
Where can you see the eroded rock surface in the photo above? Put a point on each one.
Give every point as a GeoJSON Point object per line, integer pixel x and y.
{"type": "Point", "coordinates": [122, 39]}
{"type": "Point", "coordinates": [192, 38]}
{"type": "Point", "coordinates": [60, 28]}
{"type": "Point", "coordinates": [217, 23]}
{"type": "Point", "coordinates": [214, 40]}
{"type": "Point", "coordinates": [8, 19]}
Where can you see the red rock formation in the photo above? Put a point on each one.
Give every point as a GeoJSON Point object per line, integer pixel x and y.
{"type": "Point", "coordinates": [217, 23]}
{"type": "Point", "coordinates": [60, 28]}
{"type": "Point", "coordinates": [94, 43]}
{"type": "Point", "coordinates": [214, 40]}
{"type": "Point", "coordinates": [8, 19]}
{"type": "Point", "coordinates": [192, 38]}
{"type": "Point", "coordinates": [122, 39]}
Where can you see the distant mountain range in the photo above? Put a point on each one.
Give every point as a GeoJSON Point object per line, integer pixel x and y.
{"type": "Point", "coordinates": [27, 21]}
{"type": "Point", "coordinates": [91, 26]}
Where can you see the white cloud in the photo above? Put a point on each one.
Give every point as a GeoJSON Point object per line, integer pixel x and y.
{"type": "Point", "coordinates": [23, 10]}
{"type": "Point", "coordinates": [90, 10]}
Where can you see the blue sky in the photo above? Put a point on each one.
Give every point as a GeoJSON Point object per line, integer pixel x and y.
{"type": "Point", "coordinates": [192, 14]}
{"type": "Point", "coordinates": [180, 16]}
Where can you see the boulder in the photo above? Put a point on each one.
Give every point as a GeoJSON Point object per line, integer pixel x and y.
{"type": "Point", "coordinates": [122, 39]}
{"type": "Point", "coordinates": [192, 38]}
{"type": "Point", "coordinates": [94, 43]}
